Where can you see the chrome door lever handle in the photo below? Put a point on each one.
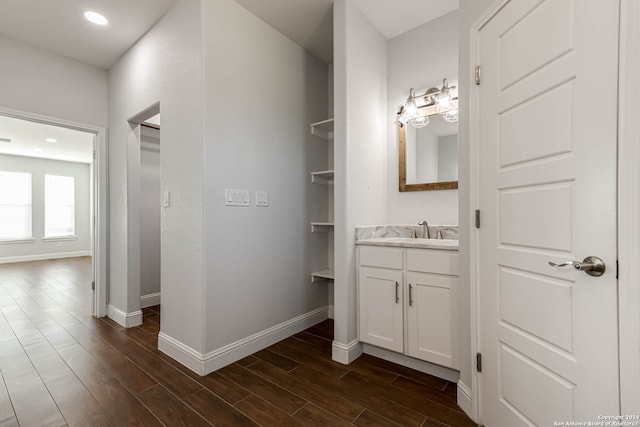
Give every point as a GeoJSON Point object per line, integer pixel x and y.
{"type": "Point", "coordinates": [591, 265]}
{"type": "Point", "coordinates": [564, 264]}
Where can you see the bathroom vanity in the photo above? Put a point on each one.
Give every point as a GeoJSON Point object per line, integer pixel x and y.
{"type": "Point", "coordinates": [407, 296]}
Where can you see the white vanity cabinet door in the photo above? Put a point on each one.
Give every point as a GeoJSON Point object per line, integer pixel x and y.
{"type": "Point", "coordinates": [380, 307]}
{"type": "Point", "coordinates": [431, 318]}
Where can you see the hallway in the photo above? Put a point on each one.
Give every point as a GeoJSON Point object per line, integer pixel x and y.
{"type": "Point", "coordinates": [60, 366]}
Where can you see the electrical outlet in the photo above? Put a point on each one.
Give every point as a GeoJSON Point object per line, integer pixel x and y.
{"type": "Point", "coordinates": [59, 244]}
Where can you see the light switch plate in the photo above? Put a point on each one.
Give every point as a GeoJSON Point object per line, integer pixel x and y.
{"type": "Point", "coordinates": [262, 198]}
{"type": "Point", "coordinates": [236, 197]}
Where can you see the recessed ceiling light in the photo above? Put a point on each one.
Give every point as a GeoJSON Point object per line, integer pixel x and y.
{"type": "Point", "coordinates": [51, 140]}
{"type": "Point", "coordinates": [39, 150]}
{"type": "Point", "coordinates": [96, 18]}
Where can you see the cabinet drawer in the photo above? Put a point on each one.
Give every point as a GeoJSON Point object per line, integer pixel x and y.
{"type": "Point", "coordinates": [432, 261]}
{"type": "Point", "coordinates": [377, 256]}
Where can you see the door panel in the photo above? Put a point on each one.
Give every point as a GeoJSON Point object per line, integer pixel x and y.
{"type": "Point", "coordinates": [547, 179]}
{"type": "Point", "coordinates": [431, 315]}
{"type": "Point", "coordinates": [380, 307]}
{"type": "Point", "coordinates": [519, 54]}
{"type": "Point", "coordinates": [541, 307]}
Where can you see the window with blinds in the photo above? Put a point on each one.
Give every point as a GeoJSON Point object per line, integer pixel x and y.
{"type": "Point", "coordinates": [15, 205]}
{"type": "Point", "coordinates": [59, 206]}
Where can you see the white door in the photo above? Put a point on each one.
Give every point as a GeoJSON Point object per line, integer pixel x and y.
{"type": "Point", "coordinates": [381, 302]}
{"type": "Point", "coordinates": [431, 316]}
{"type": "Point", "coordinates": [547, 187]}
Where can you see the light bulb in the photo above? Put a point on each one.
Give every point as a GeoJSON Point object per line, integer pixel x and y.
{"type": "Point", "coordinates": [451, 116]}
{"type": "Point", "coordinates": [420, 121]}
{"type": "Point", "coordinates": [411, 108]}
{"type": "Point", "coordinates": [96, 18]}
{"type": "Point", "coordinates": [444, 102]}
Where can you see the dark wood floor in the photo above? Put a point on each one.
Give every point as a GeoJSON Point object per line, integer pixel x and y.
{"type": "Point", "coordinates": [60, 366]}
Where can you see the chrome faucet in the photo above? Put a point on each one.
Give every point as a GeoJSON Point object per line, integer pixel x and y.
{"type": "Point", "coordinates": [425, 227]}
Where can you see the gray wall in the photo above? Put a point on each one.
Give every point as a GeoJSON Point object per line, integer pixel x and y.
{"type": "Point", "coordinates": [38, 168]}
{"type": "Point", "coordinates": [420, 59]}
{"type": "Point", "coordinates": [165, 66]}
{"type": "Point", "coordinates": [37, 81]}
{"type": "Point", "coordinates": [261, 92]}
{"type": "Point", "coordinates": [360, 102]}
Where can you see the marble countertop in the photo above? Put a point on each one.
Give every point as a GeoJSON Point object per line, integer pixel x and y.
{"type": "Point", "coordinates": [409, 242]}
{"type": "Point", "coordinates": [391, 231]}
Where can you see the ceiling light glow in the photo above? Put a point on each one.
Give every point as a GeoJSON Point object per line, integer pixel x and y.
{"type": "Point", "coordinates": [96, 18]}
{"type": "Point", "coordinates": [51, 140]}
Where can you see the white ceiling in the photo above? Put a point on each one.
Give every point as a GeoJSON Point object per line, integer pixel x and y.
{"type": "Point", "coordinates": [29, 139]}
{"type": "Point", "coordinates": [60, 27]}
{"type": "Point", "coordinates": [310, 22]}
{"type": "Point", "coordinates": [393, 18]}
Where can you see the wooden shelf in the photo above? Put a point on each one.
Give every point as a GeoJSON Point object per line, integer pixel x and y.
{"type": "Point", "coordinates": [322, 177]}
{"type": "Point", "coordinates": [322, 276]}
{"type": "Point", "coordinates": [323, 129]}
{"type": "Point", "coordinates": [321, 227]}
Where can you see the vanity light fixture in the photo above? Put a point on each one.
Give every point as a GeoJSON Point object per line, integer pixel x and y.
{"type": "Point", "coordinates": [441, 99]}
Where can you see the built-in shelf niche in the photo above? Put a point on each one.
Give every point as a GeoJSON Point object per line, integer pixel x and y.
{"type": "Point", "coordinates": [324, 131]}
{"type": "Point", "coordinates": [321, 227]}
{"type": "Point", "coordinates": [322, 177]}
{"type": "Point", "coordinates": [322, 276]}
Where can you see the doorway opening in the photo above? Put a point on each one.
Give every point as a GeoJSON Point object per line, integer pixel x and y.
{"type": "Point", "coordinates": [150, 224]}
{"type": "Point", "coordinates": [52, 202]}
{"type": "Point", "coordinates": [147, 202]}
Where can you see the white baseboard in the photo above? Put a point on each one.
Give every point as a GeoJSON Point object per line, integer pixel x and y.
{"type": "Point", "coordinates": [150, 300]}
{"type": "Point", "coordinates": [410, 362]}
{"type": "Point", "coordinates": [42, 257]}
{"type": "Point", "coordinates": [204, 364]}
{"type": "Point", "coordinates": [464, 399]}
{"type": "Point", "coordinates": [346, 354]}
{"type": "Point", "coordinates": [184, 354]}
{"type": "Point", "coordinates": [128, 320]}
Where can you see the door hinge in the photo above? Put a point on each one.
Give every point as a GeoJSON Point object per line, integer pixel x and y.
{"type": "Point", "coordinates": [477, 218]}
{"type": "Point", "coordinates": [479, 362]}
{"type": "Point", "coordinates": [617, 269]}
{"type": "Point", "coordinates": [477, 75]}
{"type": "Point", "coordinates": [93, 286]}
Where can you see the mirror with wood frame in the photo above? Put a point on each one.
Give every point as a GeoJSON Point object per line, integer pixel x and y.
{"type": "Point", "coordinates": [428, 156]}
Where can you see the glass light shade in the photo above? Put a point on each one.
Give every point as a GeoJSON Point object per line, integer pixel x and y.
{"type": "Point", "coordinates": [402, 118]}
{"type": "Point", "coordinates": [444, 102]}
{"type": "Point", "coordinates": [451, 116]}
{"type": "Point", "coordinates": [410, 108]}
{"type": "Point", "coordinates": [420, 121]}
